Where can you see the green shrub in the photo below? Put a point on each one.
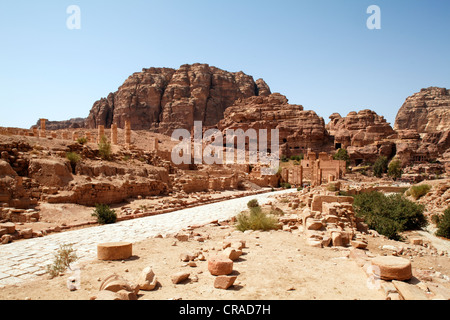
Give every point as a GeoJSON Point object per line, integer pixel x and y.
{"type": "Point", "coordinates": [342, 154]}
{"type": "Point", "coordinates": [284, 158]}
{"type": "Point", "coordinates": [63, 258]}
{"type": "Point", "coordinates": [256, 219]}
{"type": "Point", "coordinates": [436, 219]}
{"type": "Point", "coordinates": [82, 140]}
{"type": "Point", "coordinates": [419, 191]}
{"type": "Point", "coordinates": [331, 187]}
{"type": "Point", "coordinates": [285, 185]}
{"type": "Point", "coordinates": [389, 215]}
{"type": "Point", "coordinates": [380, 166]}
{"type": "Point", "coordinates": [444, 225]}
{"type": "Point", "coordinates": [104, 214]}
{"type": "Point", "coordinates": [73, 158]}
{"type": "Point", "coordinates": [104, 148]}
{"type": "Point", "coordinates": [297, 158]}
{"type": "Point", "coordinates": [253, 204]}
{"type": "Point", "coordinates": [395, 169]}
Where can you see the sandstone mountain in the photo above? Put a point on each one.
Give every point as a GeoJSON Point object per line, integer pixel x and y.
{"type": "Point", "coordinates": [427, 111]}
{"type": "Point", "coordinates": [364, 134]}
{"type": "Point", "coordinates": [163, 99]}
{"type": "Point", "coordinates": [299, 130]}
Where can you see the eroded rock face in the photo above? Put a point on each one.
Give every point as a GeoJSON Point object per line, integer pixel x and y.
{"type": "Point", "coordinates": [363, 134]}
{"type": "Point", "coordinates": [299, 130]}
{"type": "Point", "coordinates": [59, 125]}
{"type": "Point", "coordinates": [427, 111]}
{"type": "Point", "coordinates": [359, 129]}
{"type": "Point", "coordinates": [163, 99]}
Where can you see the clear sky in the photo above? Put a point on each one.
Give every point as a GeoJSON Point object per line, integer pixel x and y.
{"type": "Point", "coordinates": [320, 53]}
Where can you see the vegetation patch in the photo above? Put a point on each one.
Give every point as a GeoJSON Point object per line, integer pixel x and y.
{"type": "Point", "coordinates": [444, 225]}
{"type": "Point", "coordinates": [104, 214]}
{"type": "Point", "coordinates": [389, 215]}
{"type": "Point", "coordinates": [419, 191]}
{"type": "Point", "coordinates": [257, 219]}
{"type": "Point", "coordinates": [63, 258]}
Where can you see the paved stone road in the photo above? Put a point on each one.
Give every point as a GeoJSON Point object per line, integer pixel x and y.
{"type": "Point", "coordinates": [27, 259]}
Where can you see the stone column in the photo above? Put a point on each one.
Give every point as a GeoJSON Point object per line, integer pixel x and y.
{"type": "Point", "coordinates": [101, 133]}
{"type": "Point", "coordinates": [65, 135]}
{"type": "Point", "coordinates": [127, 132]}
{"type": "Point", "coordinates": [300, 174]}
{"type": "Point", "coordinates": [114, 134]}
{"type": "Point", "coordinates": [35, 132]}
{"type": "Point", "coordinates": [155, 144]}
{"type": "Point", "coordinates": [43, 128]}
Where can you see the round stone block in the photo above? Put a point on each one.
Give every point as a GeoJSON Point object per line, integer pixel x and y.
{"type": "Point", "coordinates": [392, 268]}
{"type": "Point", "coordinates": [114, 251]}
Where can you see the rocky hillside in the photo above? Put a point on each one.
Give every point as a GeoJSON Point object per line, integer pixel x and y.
{"type": "Point", "coordinates": [299, 129]}
{"type": "Point", "coordinates": [427, 111]}
{"type": "Point", "coordinates": [162, 99]}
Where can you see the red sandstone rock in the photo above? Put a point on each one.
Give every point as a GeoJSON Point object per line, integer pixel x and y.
{"type": "Point", "coordinates": [180, 277]}
{"type": "Point", "coordinates": [224, 282]}
{"type": "Point", "coordinates": [299, 130]}
{"type": "Point", "coordinates": [427, 111]}
{"type": "Point", "coordinates": [219, 266]}
{"type": "Point", "coordinates": [164, 99]}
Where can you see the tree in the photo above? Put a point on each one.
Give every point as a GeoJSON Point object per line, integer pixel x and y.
{"type": "Point", "coordinates": [104, 148]}
{"type": "Point", "coordinates": [395, 169]}
{"type": "Point", "coordinates": [444, 225]}
{"type": "Point", "coordinates": [342, 154]}
{"type": "Point", "coordinates": [380, 166]}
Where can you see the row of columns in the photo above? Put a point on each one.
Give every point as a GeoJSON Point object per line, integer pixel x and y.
{"type": "Point", "coordinates": [101, 133]}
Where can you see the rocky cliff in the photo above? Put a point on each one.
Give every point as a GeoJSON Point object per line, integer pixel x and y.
{"type": "Point", "coordinates": [427, 111]}
{"type": "Point", "coordinates": [299, 130]}
{"type": "Point", "coordinates": [163, 99]}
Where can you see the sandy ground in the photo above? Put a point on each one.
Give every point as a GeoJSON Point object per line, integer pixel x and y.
{"type": "Point", "coordinates": [276, 265]}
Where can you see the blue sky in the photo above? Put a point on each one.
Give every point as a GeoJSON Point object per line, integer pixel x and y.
{"type": "Point", "coordinates": [320, 54]}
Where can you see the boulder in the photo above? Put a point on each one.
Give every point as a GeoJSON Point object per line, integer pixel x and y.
{"type": "Point", "coordinates": [116, 283]}
{"type": "Point", "coordinates": [147, 280]}
{"type": "Point", "coordinates": [231, 253]}
{"type": "Point", "coordinates": [224, 282]}
{"type": "Point", "coordinates": [219, 266]}
{"type": "Point", "coordinates": [180, 277]}
{"type": "Point", "coordinates": [50, 172]}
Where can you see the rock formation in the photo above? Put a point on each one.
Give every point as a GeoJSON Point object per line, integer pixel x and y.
{"type": "Point", "coordinates": [359, 129]}
{"type": "Point", "coordinates": [74, 123]}
{"type": "Point", "coordinates": [427, 111]}
{"type": "Point", "coordinates": [299, 130]}
{"type": "Point", "coordinates": [163, 99]}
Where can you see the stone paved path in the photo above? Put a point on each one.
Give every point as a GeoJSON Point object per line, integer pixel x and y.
{"type": "Point", "coordinates": [27, 259]}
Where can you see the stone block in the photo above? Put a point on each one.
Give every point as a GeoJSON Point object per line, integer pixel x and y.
{"type": "Point", "coordinates": [114, 251]}
{"type": "Point", "coordinates": [220, 266]}
{"type": "Point", "coordinates": [392, 268]}
{"type": "Point", "coordinates": [224, 282]}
